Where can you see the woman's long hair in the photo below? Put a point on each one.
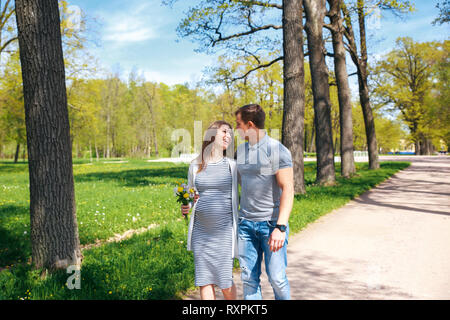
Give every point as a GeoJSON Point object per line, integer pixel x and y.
{"type": "Point", "coordinates": [208, 140]}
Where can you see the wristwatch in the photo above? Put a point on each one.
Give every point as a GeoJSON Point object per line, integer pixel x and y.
{"type": "Point", "coordinates": [281, 227]}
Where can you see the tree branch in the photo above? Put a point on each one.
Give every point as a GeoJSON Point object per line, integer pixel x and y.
{"type": "Point", "coordinates": [237, 35]}
{"type": "Point", "coordinates": [256, 68]}
{"type": "Point", "coordinates": [3, 47]}
{"type": "Point", "coordinates": [261, 4]}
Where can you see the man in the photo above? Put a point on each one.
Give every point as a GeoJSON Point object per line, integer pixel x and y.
{"type": "Point", "coordinates": [267, 194]}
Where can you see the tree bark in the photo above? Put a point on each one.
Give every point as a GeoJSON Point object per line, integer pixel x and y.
{"type": "Point", "coordinates": [54, 232]}
{"type": "Point", "coordinates": [362, 72]}
{"type": "Point", "coordinates": [364, 91]}
{"type": "Point", "coordinates": [294, 88]}
{"type": "Point", "coordinates": [344, 94]}
{"type": "Point", "coordinates": [16, 156]}
{"type": "Point", "coordinates": [315, 13]}
{"type": "Point", "coordinates": [149, 100]}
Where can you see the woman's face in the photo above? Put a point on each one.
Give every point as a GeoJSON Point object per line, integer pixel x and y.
{"type": "Point", "coordinates": [223, 137]}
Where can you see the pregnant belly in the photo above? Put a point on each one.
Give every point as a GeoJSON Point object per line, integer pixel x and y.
{"type": "Point", "coordinates": [213, 215]}
{"type": "Point", "coordinates": [214, 203]}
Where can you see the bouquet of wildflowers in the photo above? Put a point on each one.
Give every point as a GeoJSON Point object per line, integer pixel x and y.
{"type": "Point", "coordinates": [184, 194]}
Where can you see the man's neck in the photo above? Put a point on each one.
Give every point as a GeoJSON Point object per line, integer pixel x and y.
{"type": "Point", "coordinates": [259, 135]}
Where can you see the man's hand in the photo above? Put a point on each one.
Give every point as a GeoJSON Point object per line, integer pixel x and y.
{"type": "Point", "coordinates": [276, 240]}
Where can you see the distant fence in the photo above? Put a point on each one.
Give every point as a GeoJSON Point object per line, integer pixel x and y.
{"type": "Point", "coordinates": [184, 157]}
{"type": "Point", "coordinates": [359, 156]}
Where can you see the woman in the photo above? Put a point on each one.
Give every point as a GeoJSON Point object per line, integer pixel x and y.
{"type": "Point", "coordinates": [212, 232]}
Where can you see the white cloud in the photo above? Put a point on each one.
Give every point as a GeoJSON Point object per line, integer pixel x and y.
{"type": "Point", "coordinates": [128, 26]}
{"type": "Point", "coordinates": [129, 35]}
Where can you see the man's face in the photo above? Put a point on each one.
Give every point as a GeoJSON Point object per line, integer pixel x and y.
{"type": "Point", "coordinates": [241, 127]}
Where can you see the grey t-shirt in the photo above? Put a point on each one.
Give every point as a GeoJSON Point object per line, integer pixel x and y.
{"type": "Point", "coordinates": [257, 165]}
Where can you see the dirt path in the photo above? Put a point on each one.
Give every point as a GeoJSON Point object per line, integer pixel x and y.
{"type": "Point", "coordinates": [392, 242]}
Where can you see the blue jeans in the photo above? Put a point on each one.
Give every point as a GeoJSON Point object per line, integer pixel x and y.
{"type": "Point", "coordinates": [253, 243]}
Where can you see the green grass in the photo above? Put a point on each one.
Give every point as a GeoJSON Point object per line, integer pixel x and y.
{"type": "Point", "coordinates": [152, 265]}
{"type": "Point", "coordinates": [110, 198]}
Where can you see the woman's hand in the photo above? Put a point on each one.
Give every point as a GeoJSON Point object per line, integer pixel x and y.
{"type": "Point", "coordinates": [185, 209]}
{"type": "Point", "coordinates": [196, 197]}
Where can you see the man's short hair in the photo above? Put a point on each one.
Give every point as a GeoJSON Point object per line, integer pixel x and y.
{"type": "Point", "coordinates": [254, 113]}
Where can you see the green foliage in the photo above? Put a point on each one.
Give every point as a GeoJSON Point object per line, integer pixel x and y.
{"type": "Point", "coordinates": [390, 135]}
{"type": "Point", "coordinates": [409, 79]}
{"type": "Point", "coordinates": [12, 113]}
{"type": "Point", "coordinates": [444, 12]}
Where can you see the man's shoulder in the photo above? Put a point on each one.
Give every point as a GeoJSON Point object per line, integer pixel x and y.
{"type": "Point", "coordinates": [274, 143]}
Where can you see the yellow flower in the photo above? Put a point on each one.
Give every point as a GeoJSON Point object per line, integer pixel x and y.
{"type": "Point", "coordinates": [186, 195]}
{"type": "Point", "coordinates": [191, 190]}
{"type": "Point", "coordinates": [180, 189]}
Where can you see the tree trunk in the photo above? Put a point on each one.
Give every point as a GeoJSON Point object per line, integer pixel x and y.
{"type": "Point", "coordinates": [369, 120]}
{"type": "Point", "coordinates": [96, 149]}
{"type": "Point", "coordinates": [315, 14]}
{"type": "Point", "coordinates": [24, 153]}
{"type": "Point", "coordinates": [344, 94]}
{"type": "Point", "coordinates": [311, 143]}
{"type": "Point", "coordinates": [54, 232]}
{"type": "Point", "coordinates": [16, 155]}
{"type": "Point", "coordinates": [90, 151]}
{"type": "Point", "coordinates": [294, 88]}
{"type": "Point", "coordinates": [361, 67]}
{"type": "Point", "coordinates": [364, 91]}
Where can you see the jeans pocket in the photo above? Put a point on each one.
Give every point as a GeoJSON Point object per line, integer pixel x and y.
{"type": "Point", "coordinates": [272, 224]}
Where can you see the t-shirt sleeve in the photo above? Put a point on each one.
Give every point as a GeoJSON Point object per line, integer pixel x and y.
{"type": "Point", "coordinates": [281, 160]}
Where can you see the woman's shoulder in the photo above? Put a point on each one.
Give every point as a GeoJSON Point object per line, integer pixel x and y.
{"type": "Point", "coordinates": [196, 161]}
{"type": "Point", "coordinates": [193, 166]}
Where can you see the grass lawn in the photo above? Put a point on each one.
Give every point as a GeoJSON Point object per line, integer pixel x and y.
{"type": "Point", "coordinates": [115, 197]}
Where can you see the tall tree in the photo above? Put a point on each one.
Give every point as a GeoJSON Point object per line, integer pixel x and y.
{"type": "Point", "coordinates": [294, 88]}
{"type": "Point", "coordinates": [344, 94]}
{"type": "Point", "coordinates": [315, 14]}
{"type": "Point", "coordinates": [405, 80]}
{"type": "Point", "coordinates": [54, 232]}
{"type": "Point", "coordinates": [360, 60]}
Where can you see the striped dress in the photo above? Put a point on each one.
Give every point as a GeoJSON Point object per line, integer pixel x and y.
{"type": "Point", "coordinates": [213, 223]}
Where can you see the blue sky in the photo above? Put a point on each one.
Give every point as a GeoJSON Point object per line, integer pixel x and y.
{"type": "Point", "coordinates": [141, 34]}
